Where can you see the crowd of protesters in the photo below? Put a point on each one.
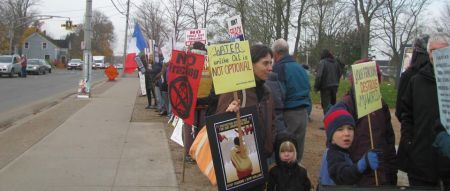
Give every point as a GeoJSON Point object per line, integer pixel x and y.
{"type": "Point", "coordinates": [353, 154]}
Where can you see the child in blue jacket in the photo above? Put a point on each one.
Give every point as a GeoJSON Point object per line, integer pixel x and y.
{"type": "Point", "coordinates": [337, 167]}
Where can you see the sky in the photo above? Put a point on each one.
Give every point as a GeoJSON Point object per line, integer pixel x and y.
{"type": "Point", "coordinates": [75, 9]}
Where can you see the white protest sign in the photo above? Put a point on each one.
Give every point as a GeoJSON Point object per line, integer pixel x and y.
{"type": "Point", "coordinates": [441, 61]}
{"type": "Point", "coordinates": [177, 133]}
{"type": "Point", "coordinates": [235, 29]}
{"type": "Point", "coordinates": [195, 35]}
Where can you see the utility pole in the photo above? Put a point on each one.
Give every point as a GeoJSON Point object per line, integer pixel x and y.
{"type": "Point", "coordinates": [125, 39]}
{"type": "Point", "coordinates": [85, 85]}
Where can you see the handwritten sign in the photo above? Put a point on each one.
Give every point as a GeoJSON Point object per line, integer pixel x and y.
{"type": "Point", "coordinates": [231, 66]}
{"type": "Point", "coordinates": [441, 59]}
{"type": "Point", "coordinates": [194, 35]}
{"type": "Point", "coordinates": [185, 71]}
{"type": "Point", "coordinates": [367, 88]}
{"type": "Point", "coordinates": [235, 29]}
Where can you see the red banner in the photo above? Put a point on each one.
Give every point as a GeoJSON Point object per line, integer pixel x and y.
{"type": "Point", "coordinates": [185, 71]}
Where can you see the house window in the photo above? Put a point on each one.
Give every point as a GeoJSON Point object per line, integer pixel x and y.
{"type": "Point", "coordinates": [44, 45]}
{"type": "Point", "coordinates": [26, 45]}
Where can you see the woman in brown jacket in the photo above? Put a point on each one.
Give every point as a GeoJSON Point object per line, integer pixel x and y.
{"type": "Point", "coordinates": [259, 96]}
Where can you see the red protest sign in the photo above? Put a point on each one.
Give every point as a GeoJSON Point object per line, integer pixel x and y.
{"type": "Point", "coordinates": [185, 71]}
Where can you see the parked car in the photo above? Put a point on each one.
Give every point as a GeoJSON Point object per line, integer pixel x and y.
{"type": "Point", "coordinates": [118, 66]}
{"type": "Point", "coordinates": [75, 64]}
{"type": "Point", "coordinates": [38, 66]}
{"type": "Point", "coordinates": [9, 64]}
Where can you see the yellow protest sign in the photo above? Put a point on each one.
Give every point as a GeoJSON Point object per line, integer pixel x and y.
{"type": "Point", "coordinates": [231, 66]}
{"type": "Point", "coordinates": [367, 88]}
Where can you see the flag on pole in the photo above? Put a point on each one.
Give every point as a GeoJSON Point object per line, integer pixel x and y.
{"type": "Point", "coordinates": [136, 46]}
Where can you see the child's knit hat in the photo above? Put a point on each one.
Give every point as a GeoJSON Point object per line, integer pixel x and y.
{"type": "Point", "coordinates": [337, 116]}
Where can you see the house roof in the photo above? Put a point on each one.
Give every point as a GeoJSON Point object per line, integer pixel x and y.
{"type": "Point", "coordinates": [58, 43]}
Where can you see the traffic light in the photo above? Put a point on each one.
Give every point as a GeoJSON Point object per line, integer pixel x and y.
{"type": "Point", "coordinates": [68, 25]}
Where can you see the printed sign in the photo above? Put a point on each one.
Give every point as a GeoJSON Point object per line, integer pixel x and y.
{"type": "Point", "coordinates": [194, 35]}
{"type": "Point", "coordinates": [205, 86]}
{"type": "Point", "coordinates": [235, 29]}
{"type": "Point", "coordinates": [231, 66]}
{"type": "Point", "coordinates": [441, 60]}
{"type": "Point", "coordinates": [407, 55]}
{"type": "Point", "coordinates": [185, 70]}
{"type": "Point", "coordinates": [367, 88]}
{"type": "Point", "coordinates": [237, 167]}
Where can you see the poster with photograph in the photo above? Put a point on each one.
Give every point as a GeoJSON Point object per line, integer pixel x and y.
{"type": "Point", "coordinates": [237, 167]}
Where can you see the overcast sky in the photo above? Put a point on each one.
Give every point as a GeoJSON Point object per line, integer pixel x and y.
{"type": "Point", "coordinates": [75, 10]}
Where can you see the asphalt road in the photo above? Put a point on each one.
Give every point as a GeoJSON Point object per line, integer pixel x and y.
{"type": "Point", "coordinates": [18, 92]}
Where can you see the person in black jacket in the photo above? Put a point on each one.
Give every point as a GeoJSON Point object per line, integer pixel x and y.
{"type": "Point", "coordinates": [287, 175]}
{"type": "Point", "coordinates": [419, 59]}
{"type": "Point", "coordinates": [327, 79]}
{"type": "Point", "coordinates": [420, 112]}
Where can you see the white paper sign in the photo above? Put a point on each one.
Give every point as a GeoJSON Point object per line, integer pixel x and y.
{"type": "Point", "coordinates": [177, 135]}
{"type": "Point", "coordinates": [235, 29]}
{"type": "Point", "coordinates": [441, 61]}
{"type": "Point", "coordinates": [142, 84]}
{"type": "Point", "coordinates": [195, 35]}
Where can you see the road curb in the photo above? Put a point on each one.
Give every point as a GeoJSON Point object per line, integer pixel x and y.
{"type": "Point", "coordinates": [20, 114]}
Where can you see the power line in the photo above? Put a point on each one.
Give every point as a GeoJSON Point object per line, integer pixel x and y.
{"type": "Point", "coordinates": [75, 10]}
{"type": "Point", "coordinates": [112, 1]}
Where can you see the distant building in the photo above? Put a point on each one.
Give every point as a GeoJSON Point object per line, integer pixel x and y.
{"type": "Point", "coordinates": [41, 46]}
{"type": "Point", "coordinates": [387, 70]}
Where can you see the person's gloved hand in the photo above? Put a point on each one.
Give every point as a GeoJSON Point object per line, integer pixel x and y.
{"type": "Point", "coordinates": [370, 159]}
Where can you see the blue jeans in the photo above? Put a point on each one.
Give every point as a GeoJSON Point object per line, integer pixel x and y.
{"type": "Point", "coordinates": [24, 72]}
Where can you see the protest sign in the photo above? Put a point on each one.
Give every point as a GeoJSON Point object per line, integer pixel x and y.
{"type": "Point", "coordinates": [184, 76]}
{"type": "Point", "coordinates": [205, 86]}
{"type": "Point", "coordinates": [407, 55]}
{"type": "Point", "coordinates": [231, 66]}
{"type": "Point", "coordinates": [441, 60]}
{"type": "Point", "coordinates": [195, 35]}
{"type": "Point", "coordinates": [237, 167]}
{"type": "Point", "coordinates": [367, 88]}
{"type": "Point", "coordinates": [235, 29]}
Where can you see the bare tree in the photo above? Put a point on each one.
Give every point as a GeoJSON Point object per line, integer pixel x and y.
{"type": "Point", "coordinates": [103, 34]}
{"type": "Point", "coordinates": [153, 24]}
{"type": "Point", "coordinates": [444, 20]}
{"type": "Point", "coordinates": [175, 10]}
{"type": "Point", "coordinates": [365, 11]}
{"type": "Point", "coordinates": [300, 20]}
{"type": "Point", "coordinates": [16, 16]}
{"type": "Point", "coordinates": [399, 22]}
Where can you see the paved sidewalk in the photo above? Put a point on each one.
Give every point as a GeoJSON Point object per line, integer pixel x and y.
{"type": "Point", "coordinates": [97, 148]}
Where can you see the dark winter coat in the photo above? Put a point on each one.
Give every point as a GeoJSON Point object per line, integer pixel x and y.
{"type": "Point", "coordinates": [287, 176]}
{"type": "Point", "coordinates": [418, 61]}
{"type": "Point", "coordinates": [421, 110]}
{"type": "Point", "coordinates": [383, 139]}
{"type": "Point", "coordinates": [328, 74]}
{"type": "Point", "coordinates": [265, 107]}
{"type": "Point", "coordinates": [339, 167]}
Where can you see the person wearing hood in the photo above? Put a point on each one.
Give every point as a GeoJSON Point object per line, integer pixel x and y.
{"type": "Point", "coordinates": [287, 175]}
{"type": "Point", "coordinates": [327, 79]}
{"type": "Point", "coordinates": [337, 168]}
{"type": "Point", "coordinates": [424, 166]}
{"type": "Point", "coordinates": [419, 59]}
